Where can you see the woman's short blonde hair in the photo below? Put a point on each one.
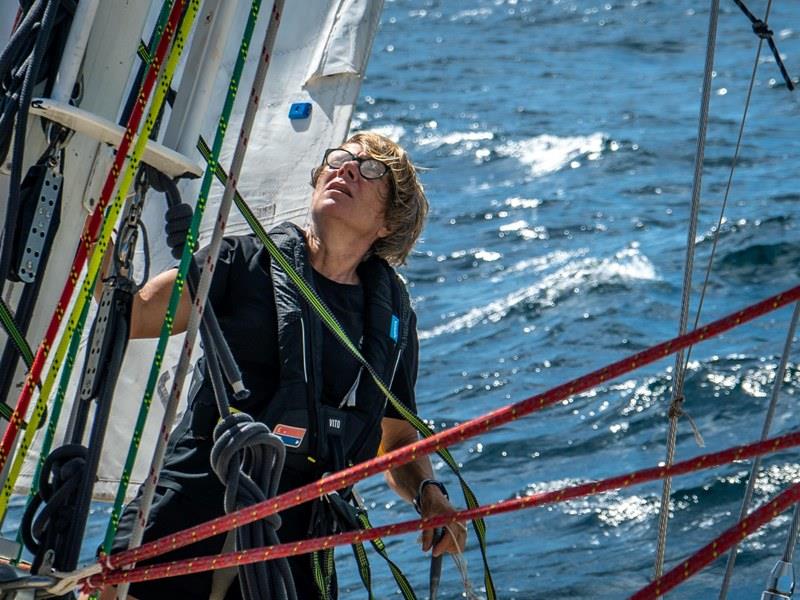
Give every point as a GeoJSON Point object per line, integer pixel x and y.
{"type": "Point", "coordinates": [406, 206]}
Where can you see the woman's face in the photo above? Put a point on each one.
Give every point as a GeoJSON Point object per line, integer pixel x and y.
{"type": "Point", "coordinates": [345, 201]}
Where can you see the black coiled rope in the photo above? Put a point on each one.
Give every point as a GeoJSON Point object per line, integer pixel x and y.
{"type": "Point", "coordinates": [59, 484]}
{"type": "Point", "coordinates": [248, 458]}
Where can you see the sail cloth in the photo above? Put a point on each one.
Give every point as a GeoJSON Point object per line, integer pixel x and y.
{"type": "Point", "coordinates": [320, 58]}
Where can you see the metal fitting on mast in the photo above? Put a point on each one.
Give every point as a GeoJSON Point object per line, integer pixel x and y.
{"type": "Point", "coordinates": [780, 584]}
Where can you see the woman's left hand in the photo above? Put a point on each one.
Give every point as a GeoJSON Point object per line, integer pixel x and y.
{"type": "Point", "coordinates": [435, 503]}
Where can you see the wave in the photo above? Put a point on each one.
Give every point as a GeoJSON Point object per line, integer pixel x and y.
{"type": "Point", "coordinates": [750, 261]}
{"type": "Point", "coordinates": [627, 265]}
{"type": "Point", "coordinates": [549, 153]}
{"type": "Point", "coordinates": [611, 509]}
{"type": "Point", "coordinates": [460, 142]}
{"type": "Point", "coordinates": [360, 121]}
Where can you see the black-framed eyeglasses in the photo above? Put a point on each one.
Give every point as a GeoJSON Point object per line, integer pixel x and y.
{"type": "Point", "coordinates": [370, 168]}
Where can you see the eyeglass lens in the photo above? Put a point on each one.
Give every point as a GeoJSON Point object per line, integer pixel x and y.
{"type": "Point", "coordinates": [369, 168]}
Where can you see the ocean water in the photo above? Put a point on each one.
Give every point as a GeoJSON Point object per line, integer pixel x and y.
{"type": "Point", "coordinates": [557, 139]}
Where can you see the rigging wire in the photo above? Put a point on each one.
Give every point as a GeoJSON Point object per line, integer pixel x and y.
{"type": "Point", "coordinates": [728, 186]}
{"type": "Point", "coordinates": [781, 369]}
{"type": "Point", "coordinates": [762, 30]}
{"type": "Point", "coordinates": [765, 430]}
{"type": "Point", "coordinates": [780, 583]}
{"type": "Point", "coordinates": [678, 374]}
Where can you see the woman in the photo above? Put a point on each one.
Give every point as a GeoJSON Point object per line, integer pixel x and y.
{"type": "Point", "coordinates": [367, 211]}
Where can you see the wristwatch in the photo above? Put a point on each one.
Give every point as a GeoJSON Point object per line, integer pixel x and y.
{"type": "Point", "coordinates": [422, 485]}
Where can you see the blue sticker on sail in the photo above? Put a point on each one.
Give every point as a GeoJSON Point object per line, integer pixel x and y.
{"type": "Point", "coordinates": [394, 329]}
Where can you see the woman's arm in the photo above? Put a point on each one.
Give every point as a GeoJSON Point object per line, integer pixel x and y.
{"type": "Point", "coordinates": [406, 479]}
{"type": "Point", "coordinates": [150, 303]}
{"type": "Point", "coordinates": [150, 307]}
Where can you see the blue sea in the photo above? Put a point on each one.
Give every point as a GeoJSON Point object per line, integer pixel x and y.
{"type": "Point", "coordinates": [558, 140]}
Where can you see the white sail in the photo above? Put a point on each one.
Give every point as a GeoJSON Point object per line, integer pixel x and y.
{"type": "Point", "coordinates": [320, 57]}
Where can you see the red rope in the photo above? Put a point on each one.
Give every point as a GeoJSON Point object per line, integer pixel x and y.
{"type": "Point", "coordinates": [88, 237]}
{"type": "Point", "coordinates": [447, 437]}
{"type": "Point", "coordinates": [712, 551]}
{"type": "Point", "coordinates": [206, 563]}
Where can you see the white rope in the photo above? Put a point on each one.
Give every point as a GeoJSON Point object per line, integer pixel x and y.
{"type": "Point", "coordinates": [678, 375]}
{"type": "Point", "coordinates": [67, 582]}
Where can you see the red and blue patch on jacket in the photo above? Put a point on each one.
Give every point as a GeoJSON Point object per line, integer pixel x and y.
{"type": "Point", "coordinates": [292, 437]}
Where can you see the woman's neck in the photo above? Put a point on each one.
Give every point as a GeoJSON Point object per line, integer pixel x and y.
{"type": "Point", "coordinates": [337, 262]}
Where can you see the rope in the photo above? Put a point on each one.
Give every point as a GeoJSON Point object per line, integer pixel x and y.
{"type": "Point", "coordinates": [710, 552]}
{"type": "Point", "coordinates": [205, 280]}
{"type": "Point", "coordinates": [87, 238]}
{"type": "Point", "coordinates": [756, 467]}
{"type": "Point", "coordinates": [40, 532]}
{"type": "Point", "coordinates": [248, 459]}
{"type": "Point", "coordinates": [211, 332]}
{"type": "Point", "coordinates": [183, 268]}
{"type": "Point", "coordinates": [14, 334]}
{"type": "Point", "coordinates": [221, 561]}
{"type": "Point", "coordinates": [450, 436]}
{"type": "Point", "coordinates": [146, 54]}
{"type": "Point", "coordinates": [762, 30]}
{"type": "Point", "coordinates": [64, 544]}
{"type": "Point", "coordinates": [363, 566]}
{"type": "Point", "coordinates": [678, 374]}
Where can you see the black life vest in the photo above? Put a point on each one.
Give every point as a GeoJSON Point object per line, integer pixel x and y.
{"type": "Point", "coordinates": [321, 438]}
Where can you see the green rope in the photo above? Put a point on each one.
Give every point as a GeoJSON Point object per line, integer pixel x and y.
{"type": "Point", "coordinates": [143, 52]}
{"type": "Point", "coordinates": [322, 570]}
{"type": "Point", "coordinates": [180, 278]}
{"type": "Point", "coordinates": [329, 320]}
{"type": "Point", "coordinates": [15, 335]}
{"type": "Point", "coordinates": [19, 341]}
{"type": "Point", "coordinates": [363, 568]}
{"type": "Point", "coordinates": [380, 548]}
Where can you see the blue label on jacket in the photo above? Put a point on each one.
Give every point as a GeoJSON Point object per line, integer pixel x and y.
{"type": "Point", "coordinates": [394, 328]}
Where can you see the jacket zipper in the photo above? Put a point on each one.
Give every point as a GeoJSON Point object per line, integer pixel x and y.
{"type": "Point", "coordinates": [396, 364]}
{"type": "Point", "coordinates": [303, 337]}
